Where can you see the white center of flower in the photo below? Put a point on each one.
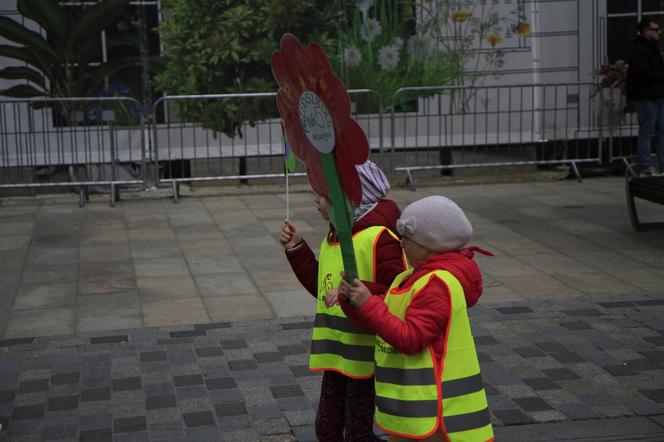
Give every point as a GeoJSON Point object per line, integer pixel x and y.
{"type": "Point", "coordinates": [316, 122]}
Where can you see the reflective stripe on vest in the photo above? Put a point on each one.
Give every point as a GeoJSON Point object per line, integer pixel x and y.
{"type": "Point", "coordinates": [410, 397]}
{"type": "Point", "coordinates": [338, 344]}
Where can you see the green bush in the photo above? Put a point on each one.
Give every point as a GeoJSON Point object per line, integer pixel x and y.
{"type": "Point", "coordinates": [225, 46]}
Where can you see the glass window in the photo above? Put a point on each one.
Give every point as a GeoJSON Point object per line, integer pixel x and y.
{"type": "Point", "coordinates": [652, 5]}
{"type": "Point", "coordinates": [621, 6]}
{"type": "Point", "coordinates": [620, 32]}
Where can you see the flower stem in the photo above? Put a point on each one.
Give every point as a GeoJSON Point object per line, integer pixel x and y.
{"type": "Point", "coordinates": [340, 216]}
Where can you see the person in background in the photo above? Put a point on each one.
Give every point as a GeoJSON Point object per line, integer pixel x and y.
{"type": "Point", "coordinates": [343, 351]}
{"type": "Point", "coordinates": [428, 381]}
{"type": "Point", "coordinates": [645, 88]}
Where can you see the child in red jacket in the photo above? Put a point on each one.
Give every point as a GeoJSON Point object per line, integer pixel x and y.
{"type": "Point", "coordinates": [343, 351]}
{"type": "Point", "coordinates": [425, 354]}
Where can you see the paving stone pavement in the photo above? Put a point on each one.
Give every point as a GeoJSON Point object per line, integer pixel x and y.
{"type": "Point", "coordinates": [162, 321]}
{"type": "Point", "coordinates": [579, 370]}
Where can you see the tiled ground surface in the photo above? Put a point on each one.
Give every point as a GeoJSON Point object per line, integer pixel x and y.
{"type": "Point", "coordinates": [569, 328]}
{"type": "Point", "coordinates": [593, 364]}
{"type": "Point", "coordinates": [150, 263]}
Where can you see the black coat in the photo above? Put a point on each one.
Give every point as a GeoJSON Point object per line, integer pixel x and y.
{"type": "Point", "coordinates": [645, 73]}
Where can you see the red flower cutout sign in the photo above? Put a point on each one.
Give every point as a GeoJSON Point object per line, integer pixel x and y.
{"type": "Point", "coordinates": [315, 108]}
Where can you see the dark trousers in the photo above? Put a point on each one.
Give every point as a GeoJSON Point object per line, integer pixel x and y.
{"type": "Point", "coordinates": [346, 409]}
{"type": "Point", "coordinates": [651, 123]}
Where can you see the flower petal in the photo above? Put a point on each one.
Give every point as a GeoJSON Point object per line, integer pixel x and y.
{"type": "Point", "coordinates": [286, 102]}
{"type": "Point", "coordinates": [318, 61]}
{"type": "Point", "coordinates": [350, 180]}
{"type": "Point", "coordinates": [352, 142]}
{"type": "Point", "coordinates": [296, 70]}
{"type": "Point", "coordinates": [333, 93]}
{"type": "Point", "coordinates": [316, 177]}
{"type": "Point", "coordinates": [296, 137]}
{"type": "Point", "coordinates": [296, 64]}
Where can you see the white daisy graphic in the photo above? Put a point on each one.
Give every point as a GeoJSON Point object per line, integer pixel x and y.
{"type": "Point", "coordinates": [419, 47]}
{"type": "Point", "coordinates": [371, 29]}
{"type": "Point", "coordinates": [388, 57]}
{"type": "Point", "coordinates": [364, 5]}
{"type": "Point", "coordinates": [352, 57]}
{"type": "Point", "coordinates": [397, 42]}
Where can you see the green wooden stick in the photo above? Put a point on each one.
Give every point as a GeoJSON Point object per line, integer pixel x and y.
{"type": "Point", "coordinates": [341, 217]}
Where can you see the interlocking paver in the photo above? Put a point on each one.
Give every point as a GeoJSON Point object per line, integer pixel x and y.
{"type": "Point", "coordinates": [541, 384]}
{"type": "Point", "coordinates": [152, 356]}
{"type": "Point", "coordinates": [208, 352]}
{"type": "Point", "coordinates": [220, 383]}
{"type": "Point", "coordinates": [96, 435]}
{"type": "Point", "coordinates": [187, 380]}
{"type": "Point", "coordinates": [284, 391]}
{"type": "Point", "coordinates": [65, 378]}
{"type": "Point", "coordinates": [198, 419]}
{"type": "Point", "coordinates": [273, 356]}
{"type": "Point", "coordinates": [126, 384]}
{"type": "Point", "coordinates": [242, 365]}
{"type": "Point", "coordinates": [561, 374]}
{"type": "Point", "coordinates": [28, 412]}
{"type": "Point", "coordinates": [58, 432]}
{"type": "Point", "coordinates": [620, 370]}
{"type": "Point", "coordinates": [512, 416]}
{"type": "Point", "coordinates": [643, 364]}
{"type": "Point", "coordinates": [533, 404]}
{"type": "Point", "coordinates": [63, 403]}
{"type": "Point", "coordinates": [230, 409]}
{"type": "Point", "coordinates": [161, 401]}
{"type": "Point", "coordinates": [656, 395]}
{"type": "Point", "coordinates": [129, 424]}
{"type": "Point", "coordinates": [529, 352]}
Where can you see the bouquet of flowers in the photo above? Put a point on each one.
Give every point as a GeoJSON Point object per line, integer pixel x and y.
{"type": "Point", "coordinates": [613, 76]}
{"type": "Point", "coordinates": [610, 73]}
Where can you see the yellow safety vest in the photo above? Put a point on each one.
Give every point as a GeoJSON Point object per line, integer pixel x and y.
{"type": "Point", "coordinates": [338, 344]}
{"type": "Point", "coordinates": [410, 395]}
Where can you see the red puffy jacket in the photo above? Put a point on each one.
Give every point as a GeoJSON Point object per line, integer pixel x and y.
{"type": "Point", "coordinates": [427, 315]}
{"type": "Point", "coordinates": [389, 258]}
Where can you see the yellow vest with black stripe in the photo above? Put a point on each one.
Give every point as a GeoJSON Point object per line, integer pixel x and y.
{"type": "Point", "coordinates": [411, 396]}
{"type": "Point", "coordinates": [338, 344]}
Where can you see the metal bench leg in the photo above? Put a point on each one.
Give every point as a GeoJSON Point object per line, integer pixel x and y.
{"type": "Point", "coordinates": [410, 181]}
{"type": "Point", "coordinates": [113, 195]}
{"type": "Point", "coordinates": [82, 196]}
{"type": "Point", "coordinates": [576, 172]}
{"type": "Point", "coordinates": [631, 207]}
{"type": "Point", "coordinates": [176, 191]}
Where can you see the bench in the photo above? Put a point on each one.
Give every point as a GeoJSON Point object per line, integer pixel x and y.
{"type": "Point", "coordinates": [647, 188]}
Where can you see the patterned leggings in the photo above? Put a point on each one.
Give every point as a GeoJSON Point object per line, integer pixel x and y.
{"type": "Point", "coordinates": [346, 409]}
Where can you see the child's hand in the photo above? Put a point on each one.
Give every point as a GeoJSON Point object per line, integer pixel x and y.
{"type": "Point", "coordinates": [343, 291]}
{"type": "Point", "coordinates": [357, 293]}
{"type": "Point", "coordinates": [290, 235]}
{"type": "Point", "coordinates": [332, 298]}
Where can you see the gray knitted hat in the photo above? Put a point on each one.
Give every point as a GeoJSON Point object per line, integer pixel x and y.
{"type": "Point", "coordinates": [436, 223]}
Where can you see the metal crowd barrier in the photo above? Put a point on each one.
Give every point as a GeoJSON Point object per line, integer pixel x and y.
{"type": "Point", "coordinates": [455, 127]}
{"type": "Point", "coordinates": [623, 125]}
{"type": "Point", "coordinates": [203, 149]}
{"type": "Point", "coordinates": [84, 142]}
{"type": "Point", "coordinates": [78, 142]}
